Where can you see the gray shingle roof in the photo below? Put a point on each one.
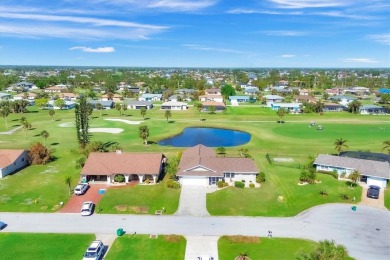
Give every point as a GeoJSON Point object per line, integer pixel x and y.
{"type": "Point", "coordinates": [365, 167]}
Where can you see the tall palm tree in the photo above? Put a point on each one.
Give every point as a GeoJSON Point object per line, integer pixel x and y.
{"type": "Point", "coordinates": [386, 146]}
{"type": "Point", "coordinates": [26, 127]}
{"type": "Point", "coordinates": [143, 112]}
{"type": "Point", "coordinates": [51, 114]}
{"type": "Point", "coordinates": [144, 133]}
{"type": "Point", "coordinates": [168, 114]}
{"type": "Point", "coordinates": [4, 112]}
{"type": "Point", "coordinates": [99, 107]}
{"type": "Point", "coordinates": [45, 135]}
{"type": "Point", "coordinates": [340, 144]}
{"type": "Point", "coordinates": [68, 181]}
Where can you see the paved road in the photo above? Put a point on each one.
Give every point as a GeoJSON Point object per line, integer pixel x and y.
{"type": "Point", "coordinates": [365, 232]}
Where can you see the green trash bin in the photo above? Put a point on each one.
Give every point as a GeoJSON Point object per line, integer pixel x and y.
{"type": "Point", "coordinates": [119, 232]}
{"type": "Point", "coordinates": [354, 208]}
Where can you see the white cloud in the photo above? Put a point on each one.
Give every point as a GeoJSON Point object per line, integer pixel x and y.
{"type": "Point", "coordinates": [285, 33]}
{"type": "Point", "coordinates": [380, 38]}
{"type": "Point", "coordinates": [254, 11]}
{"type": "Point", "coordinates": [360, 60]}
{"type": "Point", "coordinates": [297, 4]}
{"type": "Point", "coordinates": [205, 48]}
{"type": "Point", "coordinates": [287, 56]}
{"type": "Point", "coordinates": [88, 49]}
{"type": "Point", "coordinates": [181, 5]}
{"type": "Point", "coordinates": [347, 15]}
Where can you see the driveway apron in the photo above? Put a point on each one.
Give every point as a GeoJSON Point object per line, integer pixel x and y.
{"type": "Point", "coordinates": [201, 246]}
{"type": "Point", "coordinates": [193, 200]}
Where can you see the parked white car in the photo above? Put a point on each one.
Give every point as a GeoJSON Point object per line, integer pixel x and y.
{"type": "Point", "coordinates": [81, 189]}
{"type": "Point", "coordinates": [94, 251]}
{"type": "Point", "coordinates": [87, 208]}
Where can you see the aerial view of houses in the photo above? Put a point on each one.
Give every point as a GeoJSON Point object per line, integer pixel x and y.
{"type": "Point", "coordinates": [178, 129]}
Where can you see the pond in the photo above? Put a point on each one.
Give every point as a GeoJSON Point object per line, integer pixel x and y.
{"type": "Point", "coordinates": [211, 137]}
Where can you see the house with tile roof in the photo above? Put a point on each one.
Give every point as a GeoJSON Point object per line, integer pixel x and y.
{"type": "Point", "coordinates": [374, 172]}
{"type": "Point", "coordinates": [199, 165]}
{"type": "Point", "coordinates": [11, 160]}
{"type": "Point", "coordinates": [103, 167]}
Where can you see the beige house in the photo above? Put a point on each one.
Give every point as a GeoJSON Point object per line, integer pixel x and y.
{"type": "Point", "coordinates": [103, 167]}
{"type": "Point", "coordinates": [12, 160]}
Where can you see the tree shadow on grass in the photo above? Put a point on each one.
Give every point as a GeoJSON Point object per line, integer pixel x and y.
{"type": "Point", "coordinates": [151, 142]}
{"type": "Point", "coordinates": [146, 118]}
{"type": "Point", "coordinates": [54, 144]}
{"type": "Point", "coordinates": [171, 121]}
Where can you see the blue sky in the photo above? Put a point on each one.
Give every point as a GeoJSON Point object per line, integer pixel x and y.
{"type": "Point", "coordinates": [203, 33]}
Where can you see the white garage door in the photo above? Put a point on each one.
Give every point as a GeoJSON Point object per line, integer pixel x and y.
{"type": "Point", "coordinates": [376, 181]}
{"type": "Point", "coordinates": [204, 181]}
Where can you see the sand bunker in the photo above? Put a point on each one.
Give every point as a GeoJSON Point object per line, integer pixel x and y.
{"type": "Point", "coordinates": [124, 121]}
{"type": "Point", "coordinates": [106, 130]}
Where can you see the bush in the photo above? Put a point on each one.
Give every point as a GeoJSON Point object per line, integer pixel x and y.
{"type": "Point", "coordinates": [39, 154]}
{"type": "Point", "coordinates": [225, 184]}
{"type": "Point", "coordinates": [251, 185]}
{"type": "Point", "coordinates": [220, 184]}
{"type": "Point", "coordinates": [173, 184]}
{"type": "Point", "coordinates": [119, 178]}
{"type": "Point", "coordinates": [344, 196]}
{"type": "Point", "coordinates": [239, 184]}
{"type": "Point", "coordinates": [334, 174]}
{"type": "Point", "coordinates": [323, 193]}
{"type": "Point", "coordinates": [260, 178]}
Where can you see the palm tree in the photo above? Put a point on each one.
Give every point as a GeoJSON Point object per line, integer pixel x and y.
{"type": "Point", "coordinates": [281, 113]}
{"type": "Point", "coordinates": [340, 144]}
{"type": "Point", "coordinates": [119, 108]}
{"type": "Point", "coordinates": [326, 249]}
{"type": "Point", "coordinates": [143, 112]}
{"type": "Point", "coordinates": [68, 181]}
{"type": "Point", "coordinates": [4, 112]}
{"type": "Point", "coordinates": [354, 106]}
{"type": "Point", "coordinates": [26, 126]}
{"type": "Point", "coordinates": [199, 107]}
{"type": "Point", "coordinates": [168, 114]}
{"type": "Point", "coordinates": [99, 107]}
{"type": "Point", "coordinates": [51, 114]}
{"type": "Point", "coordinates": [386, 146]}
{"type": "Point", "coordinates": [221, 150]}
{"type": "Point", "coordinates": [144, 133]}
{"type": "Point", "coordinates": [243, 256]}
{"type": "Point", "coordinates": [355, 177]}
{"type": "Point", "coordinates": [124, 107]}
{"type": "Point", "coordinates": [45, 135]}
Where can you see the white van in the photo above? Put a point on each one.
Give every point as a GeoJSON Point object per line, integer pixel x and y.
{"type": "Point", "coordinates": [94, 251]}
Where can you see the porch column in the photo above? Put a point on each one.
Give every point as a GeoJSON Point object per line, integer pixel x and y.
{"type": "Point", "coordinates": [141, 178]}
{"type": "Point", "coordinates": [126, 178]}
{"type": "Point", "coordinates": [154, 179]}
{"type": "Point", "coordinates": [108, 179]}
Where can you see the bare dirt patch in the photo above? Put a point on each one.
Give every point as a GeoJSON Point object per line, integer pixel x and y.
{"type": "Point", "coordinates": [139, 209]}
{"type": "Point", "coordinates": [243, 239]}
{"type": "Point", "coordinates": [121, 208]}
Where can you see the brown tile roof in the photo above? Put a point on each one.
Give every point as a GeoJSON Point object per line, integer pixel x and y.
{"type": "Point", "coordinates": [125, 163]}
{"type": "Point", "coordinates": [213, 103]}
{"type": "Point", "coordinates": [365, 167]}
{"type": "Point", "coordinates": [8, 156]}
{"type": "Point", "coordinates": [201, 161]}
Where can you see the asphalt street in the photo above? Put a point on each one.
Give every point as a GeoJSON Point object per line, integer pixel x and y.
{"type": "Point", "coordinates": [365, 232]}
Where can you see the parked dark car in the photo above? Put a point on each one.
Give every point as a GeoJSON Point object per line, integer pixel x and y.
{"type": "Point", "coordinates": [2, 225]}
{"type": "Point", "coordinates": [373, 192]}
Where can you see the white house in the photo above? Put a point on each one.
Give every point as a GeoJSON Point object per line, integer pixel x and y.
{"type": "Point", "coordinates": [134, 104]}
{"type": "Point", "coordinates": [371, 109]}
{"type": "Point", "coordinates": [150, 97]}
{"type": "Point", "coordinates": [171, 105]}
{"type": "Point", "coordinates": [376, 172]}
{"type": "Point", "coordinates": [239, 99]}
{"type": "Point", "coordinates": [270, 99]}
{"type": "Point", "coordinates": [5, 96]}
{"type": "Point", "coordinates": [67, 105]}
{"type": "Point", "coordinates": [211, 97]}
{"type": "Point", "coordinates": [291, 107]}
{"type": "Point", "coordinates": [12, 160]}
{"type": "Point", "coordinates": [199, 165]}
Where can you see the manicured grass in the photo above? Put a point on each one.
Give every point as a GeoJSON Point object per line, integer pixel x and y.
{"type": "Point", "coordinates": [387, 198]}
{"type": "Point", "coordinates": [143, 247]}
{"type": "Point", "coordinates": [43, 246]}
{"type": "Point", "coordinates": [154, 197]}
{"type": "Point", "coordinates": [41, 188]}
{"type": "Point", "coordinates": [274, 248]}
{"type": "Point", "coordinates": [283, 182]}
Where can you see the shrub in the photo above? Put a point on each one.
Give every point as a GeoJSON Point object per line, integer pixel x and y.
{"type": "Point", "coordinates": [39, 154]}
{"type": "Point", "coordinates": [119, 178]}
{"type": "Point", "coordinates": [303, 176]}
{"type": "Point", "coordinates": [239, 184]}
{"type": "Point", "coordinates": [323, 193]}
{"type": "Point", "coordinates": [173, 184]}
{"type": "Point", "coordinates": [334, 174]}
{"type": "Point", "coordinates": [344, 196]}
{"type": "Point", "coordinates": [251, 185]}
{"type": "Point", "coordinates": [220, 184]}
{"type": "Point", "coordinates": [260, 178]}
{"type": "Point", "coordinates": [225, 184]}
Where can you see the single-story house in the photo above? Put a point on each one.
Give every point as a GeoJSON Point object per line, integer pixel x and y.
{"type": "Point", "coordinates": [68, 96]}
{"type": "Point", "coordinates": [212, 91]}
{"type": "Point", "coordinates": [199, 165]}
{"type": "Point", "coordinates": [179, 98]}
{"type": "Point", "coordinates": [12, 160]}
{"type": "Point", "coordinates": [115, 97]}
{"type": "Point", "coordinates": [251, 91]}
{"type": "Point", "coordinates": [103, 167]}
{"type": "Point", "coordinates": [25, 95]}
{"type": "Point", "coordinates": [24, 85]}
{"type": "Point", "coordinates": [330, 107]}
{"type": "Point", "coordinates": [150, 97]}
{"type": "Point", "coordinates": [172, 105]}
{"type": "Point", "coordinates": [219, 106]}
{"type": "Point", "coordinates": [239, 99]}
{"type": "Point", "coordinates": [304, 92]}
{"type": "Point", "coordinates": [5, 96]}
{"type": "Point", "coordinates": [108, 104]}
{"type": "Point", "coordinates": [291, 107]}
{"type": "Point", "coordinates": [375, 172]}
{"type": "Point", "coordinates": [135, 104]}
{"type": "Point", "coordinates": [305, 98]}
{"type": "Point", "coordinates": [56, 89]}
{"type": "Point", "coordinates": [333, 91]}
{"type": "Point", "coordinates": [67, 105]}
{"type": "Point", "coordinates": [185, 91]}
{"type": "Point", "coordinates": [270, 99]}
{"type": "Point", "coordinates": [343, 100]}
{"type": "Point", "coordinates": [211, 97]}
{"type": "Point", "coordinates": [371, 109]}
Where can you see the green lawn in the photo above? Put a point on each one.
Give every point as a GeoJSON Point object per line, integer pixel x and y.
{"type": "Point", "coordinates": [151, 197]}
{"type": "Point", "coordinates": [143, 247]}
{"type": "Point", "coordinates": [42, 188]}
{"type": "Point", "coordinates": [283, 182]}
{"type": "Point", "coordinates": [43, 246]}
{"type": "Point", "coordinates": [274, 248]}
{"type": "Point", "coordinates": [387, 198]}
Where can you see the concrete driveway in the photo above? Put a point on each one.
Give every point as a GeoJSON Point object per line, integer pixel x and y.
{"type": "Point", "coordinates": [201, 246]}
{"type": "Point", "coordinates": [376, 203]}
{"type": "Point", "coordinates": [193, 200]}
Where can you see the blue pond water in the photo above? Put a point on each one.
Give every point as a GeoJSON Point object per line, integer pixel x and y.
{"type": "Point", "coordinates": [211, 137]}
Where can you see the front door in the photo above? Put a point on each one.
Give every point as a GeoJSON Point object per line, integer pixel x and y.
{"type": "Point", "coordinates": [213, 180]}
